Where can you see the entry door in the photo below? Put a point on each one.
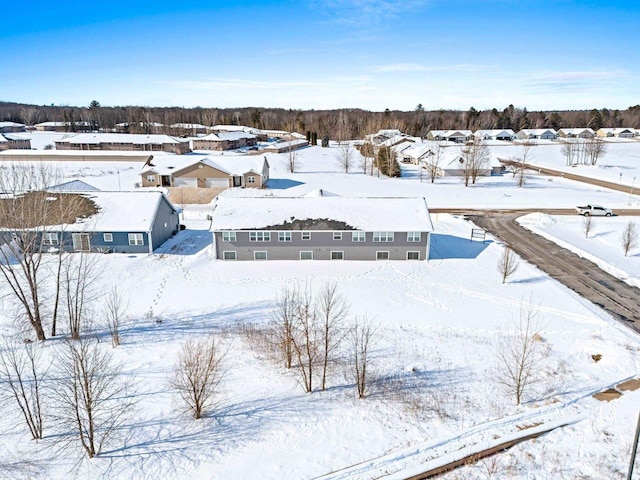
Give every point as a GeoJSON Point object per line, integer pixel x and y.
{"type": "Point", "coordinates": [237, 181]}
{"type": "Point", "coordinates": [81, 242]}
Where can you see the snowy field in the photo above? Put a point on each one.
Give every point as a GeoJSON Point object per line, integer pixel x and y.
{"type": "Point", "coordinates": [433, 384]}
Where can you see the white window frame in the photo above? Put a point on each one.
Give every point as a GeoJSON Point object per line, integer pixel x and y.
{"type": "Point", "coordinates": [259, 236]}
{"type": "Point", "coordinates": [337, 235]}
{"type": "Point", "coordinates": [414, 237]}
{"type": "Point", "coordinates": [50, 238]}
{"type": "Point", "coordinates": [383, 237]}
{"type": "Point", "coordinates": [337, 251]}
{"type": "Point", "coordinates": [382, 251]}
{"type": "Point", "coordinates": [226, 252]}
{"type": "Point", "coordinates": [107, 237]}
{"type": "Point", "coordinates": [284, 236]}
{"type": "Point", "coordinates": [136, 239]}
{"type": "Point", "coordinates": [359, 237]}
{"type": "Point", "coordinates": [305, 235]}
{"type": "Point", "coordinates": [251, 179]}
{"type": "Point", "coordinates": [260, 251]}
{"type": "Point", "coordinates": [151, 178]}
{"type": "Point", "coordinates": [229, 237]}
{"type": "Point", "coordinates": [306, 251]}
{"type": "Point", "coordinates": [413, 258]}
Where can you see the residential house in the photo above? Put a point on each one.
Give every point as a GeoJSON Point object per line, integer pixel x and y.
{"type": "Point", "coordinates": [576, 133]}
{"type": "Point", "coordinates": [455, 136]}
{"type": "Point", "coordinates": [261, 135]}
{"type": "Point", "coordinates": [321, 228]}
{"type": "Point", "coordinates": [289, 146]}
{"type": "Point", "coordinates": [123, 142]}
{"type": "Point", "coordinates": [125, 222]}
{"type": "Point", "coordinates": [11, 127]}
{"type": "Point", "coordinates": [14, 142]}
{"type": "Point", "coordinates": [224, 141]}
{"type": "Point", "coordinates": [139, 127]}
{"type": "Point", "coordinates": [188, 129]}
{"type": "Point", "coordinates": [505, 135]}
{"type": "Point", "coordinates": [616, 133]}
{"type": "Point", "coordinates": [206, 172]}
{"type": "Point", "coordinates": [64, 127]}
{"type": "Point", "coordinates": [73, 156]}
{"type": "Point", "coordinates": [537, 134]}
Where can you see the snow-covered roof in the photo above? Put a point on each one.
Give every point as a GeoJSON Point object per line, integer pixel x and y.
{"type": "Point", "coordinates": [495, 133]}
{"type": "Point", "coordinates": [121, 212]}
{"type": "Point", "coordinates": [51, 124]}
{"type": "Point", "coordinates": [187, 125]}
{"type": "Point", "coordinates": [10, 124]}
{"type": "Point", "coordinates": [575, 131]}
{"type": "Point", "coordinates": [616, 131]}
{"type": "Point", "coordinates": [73, 186]}
{"type": "Point", "coordinates": [6, 137]}
{"type": "Point", "coordinates": [450, 133]}
{"type": "Point", "coordinates": [225, 136]}
{"type": "Point", "coordinates": [81, 153]}
{"type": "Point", "coordinates": [151, 124]}
{"type": "Point", "coordinates": [290, 143]}
{"type": "Point", "coordinates": [97, 138]}
{"type": "Point", "coordinates": [237, 128]}
{"type": "Point", "coordinates": [166, 165]}
{"type": "Point", "coordinates": [538, 131]}
{"type": "Point", "coordinates": [369, 214]}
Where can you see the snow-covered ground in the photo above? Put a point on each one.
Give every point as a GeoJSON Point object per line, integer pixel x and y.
{"type": "Point", "coordinates": [433, 388]}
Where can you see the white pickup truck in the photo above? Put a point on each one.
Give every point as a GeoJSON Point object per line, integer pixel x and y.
{"type": "Point", "coordinates": [595, 210]}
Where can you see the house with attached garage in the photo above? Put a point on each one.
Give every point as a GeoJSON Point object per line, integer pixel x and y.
{"type": "Point", "coordinates": [123, 141]}
{"type": "Point", "coordinates": [537, 134]}
{"type": "Point", "coordinates": [206, 172]}
{"type": "Point", "coordinates": [616, 133]}
{"type": "Point", "coordinates": [455, 136]}
{"type": "Point", "coordinates": [505, 135]}
{"type": "Point", "coordinates": [576, 133]}
{"type": "Point", "coordinates": [224, 141]}
{"type": "Point", "coordinates": [321, 228]}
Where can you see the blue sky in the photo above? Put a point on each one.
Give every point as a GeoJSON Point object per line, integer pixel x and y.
{"type": "Point", "coordinates": [370, 54]}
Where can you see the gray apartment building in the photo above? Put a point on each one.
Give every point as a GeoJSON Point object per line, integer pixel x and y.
{"type": "Point", "coordinates": [321, 228]}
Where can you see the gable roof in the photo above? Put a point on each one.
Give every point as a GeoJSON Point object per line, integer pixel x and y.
{"type": "Point", "coordinates": [137, 138]}
{"type": "Point", "coordinates": [225, 136]}
{"type": "Point", "coordinates": [73, 186]}
{"type": "Point", "coordinates": [231, 165]}
{"type": "Point", "coordinates": [369, 214]}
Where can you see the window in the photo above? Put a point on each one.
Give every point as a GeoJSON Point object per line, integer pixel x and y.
{"type": "Point", "coordinates": [151, 178]}
{"type": "Point", "coordinates": [251, 179]}
{"type": "Point", "coordinates": [306, 255]}
{"type": "Point", "coordinates": [136, 239]}
{"type": "Point", "coordinates": [259, 255]}
{"type": "Point", "coordinates": [413, 237]}
{"type": "Point", "coordinates": [49, 238]}
{"type": "Point", "coordinates": [284, 236]}
{"type": "Point", "coordinates": [306, 235]}
{"type": "Point", "coordinates": [107, 237]}
{"type": "Point", "coordinates": [231, 255]}
{"type": "Point", "coordinates": [337, 255]}
{"type": "Point", "coordinates": [358, 237]}
{"type": "Point", "coordinates": [383, 236]}
{"type": "Point", "coordinates": [382, 255]}
{"type": "Point", "coordinates": [413, 255]}
{"type": "Point", "coordinates": [228, 236]}
{"type": "Point", "coordinates": [337, 235]}
{"type": "Point", "coordinates": [260, 236]}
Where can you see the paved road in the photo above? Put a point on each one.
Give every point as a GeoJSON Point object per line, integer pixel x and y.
{"type": "Point", "coordinates": [619, 299]}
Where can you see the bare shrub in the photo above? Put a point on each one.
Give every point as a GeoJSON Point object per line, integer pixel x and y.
{"type": "Point", "coordinates": [361, 337]}
{"type": "Point", "coordinates": [629, 238]}
{"type": "Point", "coordinates": [332, 309]}
{"type": "Point", "coordinates": [198, 373]}
{"type": "Point", "coordinates": [587, 225]}
{"type": "Point", "coordinates": [114, 310]}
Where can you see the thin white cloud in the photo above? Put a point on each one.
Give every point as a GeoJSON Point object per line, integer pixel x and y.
{"type": "Point", "coordinates": [417, 67]}
{"type": "Point", "coordinates": [574, 80]}
{"type": "Point", "coordinates": [366, 13]}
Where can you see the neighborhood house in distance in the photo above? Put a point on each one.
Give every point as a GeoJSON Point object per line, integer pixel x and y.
{"type": "Point", "coordinates": [321, 228]}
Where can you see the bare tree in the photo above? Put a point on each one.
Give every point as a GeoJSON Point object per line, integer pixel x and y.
{"type": "Point", "coordinates": [26, 210]}
{"type": "Point", "coordinates": [22, 373]}
{"type": "Point", "coordinates": [92, 396]}
{"type": "Point", "coordinates": [594, 149]}
{"type": "Point", "coordinates": [292, 159]}
{"type": "Point", "coordinates": [283, 318]}
{"type": "Point", "coordinates": [587, 225]}
{"type": "Point", "coordinates": [508, 264]}
{"type": "Point", "coordinates": [333, 309]}
{"type": "Point", "coordinates": [198, 373]}
{"type": "Point", "coordinates": [519, 354]}
{"type": "Point", "coordinates": [475, 157]}
{"type": "Point", "coordinates": [305, 338]}
{"type": "Point", "coordinates": [629, 238]}
{"type": "Point", "coordinates": [368, 155]}
{"type": "Point", "coordinates": [345, 156]}
{"type": "Point", "coordinates": [521, 163]}
{"type": "Point", "coordinates": [79, 273]}
{"type": "Point", "coordinates": [361, 338]}
{"type": "Point", "coordinates": [432, 164]}
{"type": "Point", "coordinates": [114, 310]}
{"type": "Point", "coordinates": [569, 150]}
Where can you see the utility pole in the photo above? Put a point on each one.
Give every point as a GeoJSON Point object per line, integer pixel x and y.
{"type": "Point", "coordinates": [634, 451]}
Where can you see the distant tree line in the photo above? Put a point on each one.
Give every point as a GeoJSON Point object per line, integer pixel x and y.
{"type": "Point", "coordinates": [337, 124]}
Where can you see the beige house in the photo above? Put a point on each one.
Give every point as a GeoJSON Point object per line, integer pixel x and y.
{"type": "Point", "coordinates": [455, 136]}
{"type": "Point", "coordinates": [616, 132]}
{"type": "Point", "coordinates": [291, 145]}
{"type": "Point", "coordinates": [224, 141]}
{"type": "Point", "coordinates": [13, 142]}
{"type": "Point", "coordinates": [206, 172]}
{"type": "Point", "coordinates": [123, 142]}
{"type": "Point", "coordinates": [576, 133]}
